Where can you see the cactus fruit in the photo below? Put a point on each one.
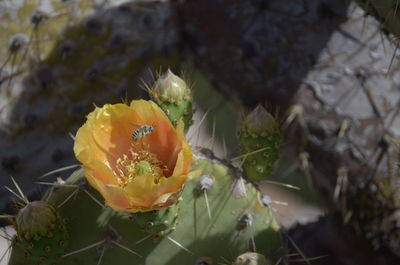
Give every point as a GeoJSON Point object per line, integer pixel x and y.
{"type": "Point", "coordinates": [259, 138]}
{"type": "Point", "coordinates": [236, 225]}
{"type": "Point", "coordinates": [251, 258]}
{"type": "Point", "coordinates": [143, 201]}
{"type": "Point", "coordinates": [41, 233]}
{"type": "Point", "coordinates": [173, 95]}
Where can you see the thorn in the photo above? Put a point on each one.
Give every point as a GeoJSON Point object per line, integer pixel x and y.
{"type": "Point", "coordinates": [198, 126]}
{"type": "Point", "coordinates": [207, 204]}
{"type": "Point", "coordinates": [250, 153]}
{"type": "Point", "coordinates": [56, 184]}
{"type": "Point", "coordinates": [58, 170]}
{"type": "Point", "coordinates": [6, 216]}
{"type": "Point", "coordinates": [294, 245]}
{"type": "Point", "coordinates": [253, 242]}
{"type": "Point", "coordinates": [279, 261]}
{"type": "Point", "coordinates": [282, 184]}
{"type": "Point", "coordinates": [15, 194]}
{"type": "Point", "coordinates": [143, 239]}
{"type": "Point", "coordinates": [125, 248]}
{"type": "Point", "coordinates": [72, 136]}
{"type": "Point", "coordinates": [224, 146]}
{"type": "Point", "coordinates": [179, 245]}
{"type": "Point", "coordinates": [68, 198]}
{"type": "Point", "coordinates": [19, 190]}
{"type": "Point", "coordinates": [101, 255]}
{"type": "Point", "coordinates": [83, 249]}
{"type": "Point", "coordinates": [94, 199]}
{"type": "Point", "coordinates": [309, 259]}
{"type": "Point", "coordinates": [239, 189]}
{"type": "Point", "coordinates": [212, 136]}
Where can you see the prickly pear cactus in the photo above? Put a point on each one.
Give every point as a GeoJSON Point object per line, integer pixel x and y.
{"type": "Point", "coordinates": [42, 232]}
{"type": "Point", "coordinates": [57, 59]}
{"type": "Point", "coordinates": [143, 195]}
{"type": "Point", "coordinates": [212, 223]}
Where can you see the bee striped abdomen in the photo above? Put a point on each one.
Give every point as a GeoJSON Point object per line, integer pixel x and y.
{"type": "Point", "coordinates": [142, 131]}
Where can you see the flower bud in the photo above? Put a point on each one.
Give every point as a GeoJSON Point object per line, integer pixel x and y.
{"type": "Point", "coordinates": [35, 219]}
{"type": "Point", "coordinates": [259, 123]}
{"type": "Point", "coordinates": [251, 258]}
{"type": "Point", "coordinates": [170, 88]}
{"type": "Point", "coordinates": [41, 232]}
{"type": "Point", "coordinates": [173, 96]}
{"type": "Point", "coordinates": [259, 139]}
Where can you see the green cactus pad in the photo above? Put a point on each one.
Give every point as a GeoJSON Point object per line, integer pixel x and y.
{"type": "Point", "coordinates": [173, 95]}
{"type": "Point", "coordinates": [158, 223]}
{"type": "Point", "coordinates": [234, 225]}
{"type": "Point", "coordinates": [183, 111]}
{"type": "Point", "coordinates": [44, 250]}
{"type": "Point", "coordinates": [265, 152]}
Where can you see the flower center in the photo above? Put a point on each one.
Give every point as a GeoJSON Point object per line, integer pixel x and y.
{"type": "Point", "coordinates": [138, 164]}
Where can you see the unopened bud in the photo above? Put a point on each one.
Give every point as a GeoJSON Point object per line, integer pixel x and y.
{"type": "Point", "coordinates": [259, 122]}
{"type": "Point", "coordinates": [173, 96]}
{"type": "Point", "coordinates": [35, 219]}
{"type": "Point", "coordinates": [259, 139]}
{"type": "Point", "coordinates": [170, 88]}
{"type": "Point", "coordinates": [251, 258]}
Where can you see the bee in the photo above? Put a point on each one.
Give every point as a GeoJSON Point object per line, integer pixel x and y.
{"type": "Point", "coordinates": [141, 131]}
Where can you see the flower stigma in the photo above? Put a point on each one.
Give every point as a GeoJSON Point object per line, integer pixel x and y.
{"type": "Point", "coordinates": [140, 163]}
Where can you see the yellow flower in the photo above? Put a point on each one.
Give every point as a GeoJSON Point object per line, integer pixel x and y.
{"type": "Point", "coordinates": [133, 175]}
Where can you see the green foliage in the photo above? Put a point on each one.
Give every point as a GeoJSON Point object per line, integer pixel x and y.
{"type": "Point", "coordinates": [260, 153]}
{"type": "Point", "coordinates": [234, 222]}
{"type": "Point", "coordinates": [183, 111]}
{"type": "Point", "coordinates": [46, 250]}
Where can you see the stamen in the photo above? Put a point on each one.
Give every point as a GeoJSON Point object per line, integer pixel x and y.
{"type": "Point", "coordinates": [138, 164]}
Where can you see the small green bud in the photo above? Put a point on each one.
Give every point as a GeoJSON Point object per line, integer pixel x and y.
{"type": "Point", "coordinates": [251, 258]}
{"type": "Point", "coordinates": [170, 88]}
{"type": "Point", "coordinates": [41, 232]}
{"type": "Point", "coordinates": [259, 123]}
{"type": "Point", "coordinates": [259, 139]}
{"type": "Point", "coordinates": [35, 219]}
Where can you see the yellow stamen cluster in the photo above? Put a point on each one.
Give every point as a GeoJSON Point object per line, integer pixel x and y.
{"type": "Point", "coordinates": [138, 164]}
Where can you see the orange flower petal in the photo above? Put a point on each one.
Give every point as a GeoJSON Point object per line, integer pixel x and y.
{"type": "Point", "coordinates": [146, 191]}
{"type": "Point", "coordinates": [106, 137]}
{"type": "Point", "coordinates": [164, 140]}
{"type": "Point", "coordinates": [114, 195]}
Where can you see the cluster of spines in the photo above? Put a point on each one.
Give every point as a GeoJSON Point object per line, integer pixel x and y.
{"type": "Point", "coordinates": [159, 225]}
